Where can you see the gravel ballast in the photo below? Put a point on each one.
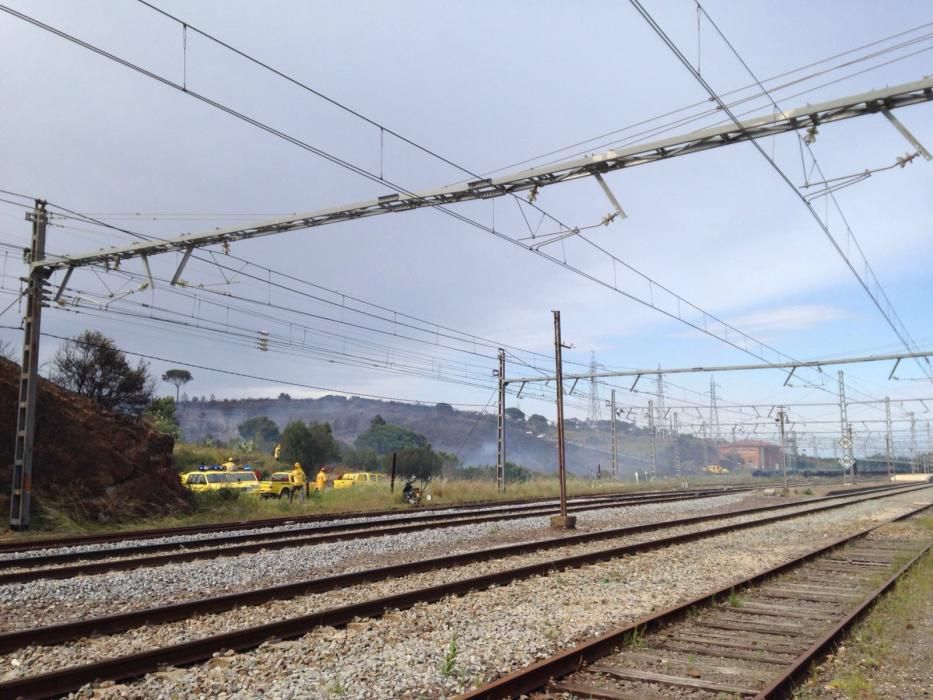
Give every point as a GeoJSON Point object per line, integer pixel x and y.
{"type": "Point", "coordinates": [525, 620]}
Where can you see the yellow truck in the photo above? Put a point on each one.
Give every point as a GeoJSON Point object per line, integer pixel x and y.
{"type": "Point", "coordinates": [359, 479]}
{"type": "Point", "coordinates": [716, 469]}
{"type": "Point", "coordinates": [215, 480]}
{"type": "Point", "coordinates": [281, 485]}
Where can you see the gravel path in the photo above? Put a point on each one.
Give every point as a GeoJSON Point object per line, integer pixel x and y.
{"type": "Point", "coordinates": [583, 602]}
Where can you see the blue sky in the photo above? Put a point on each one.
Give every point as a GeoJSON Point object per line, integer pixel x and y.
{"type": "Point", "coordinates": [487, 85]}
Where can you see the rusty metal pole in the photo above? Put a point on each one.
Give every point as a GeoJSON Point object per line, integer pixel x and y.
{"type": "Point", "coordinates": [21, 490]}
{"type": "Point", "coordinates": [782, 417]}
{"type": "Point", "coordinates": [392, 479]}
{"type": "Point", "coordinates": [615, 443]}
{"type": "Point", "coordinates": [563, 520]}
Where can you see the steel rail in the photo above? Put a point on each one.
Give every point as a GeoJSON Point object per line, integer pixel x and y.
{"type": "Point", "coordinates": [535, 676]}
{"type": "Point", "coordinates": [205, 550]}
{"type": "Point", "coordinates": [70, 679]}
{"type": "Point", "coordinates": [17, 545]}
{"type": "Point", "coordinates": [782, 686]}
{"type": "Point", "coordinates": [210, 549]}
{"type": "Point", "coordinates": [114, 623]}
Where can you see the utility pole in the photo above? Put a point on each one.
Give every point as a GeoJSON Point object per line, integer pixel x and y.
{"type": "Point", "coordinates": [653, 432]}
{"type": "Point", "coordinates": [854, 465]}
{"type": "Point", "coordinates": [928, 446]}
{"type": "Point", "coordinates": [615, 447]}
{"type": "Point", "coordinates": [595, 406]}
{"type": "Point", "coordinates": [659, 422]}
{"type": "Point", "coordinates": [913, 443]}
{"type": "Point", "coordinates": [713, 410]}
{"type": "Point", "coordinates": [844, 442]}
{"type": "Point", "coordinates": [781, 420]}
{"type": "Point", "coordinates": [500, 437]}
{"type": "Point", "coordinates": [676, 432]}
{"type": "Point", "coordinates": [888, 446]}
{"type": "Point", "coordinates": [21, 491]}
{"type": "Point", "coordinates": [562, 521]}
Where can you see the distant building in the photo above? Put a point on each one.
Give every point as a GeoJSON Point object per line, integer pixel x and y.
{"type": "Point", "coordinates": [755, 454]}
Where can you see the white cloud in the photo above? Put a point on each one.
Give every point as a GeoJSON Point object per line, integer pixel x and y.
{"type": "Point", "coordinates": [789, 318]}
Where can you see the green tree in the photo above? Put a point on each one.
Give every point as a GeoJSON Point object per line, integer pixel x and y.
{"type": "Point", "coordinates": [261, 430]}
{"type": "Point", "coordinates": [364, 459]}
{"type": "Point", "coordinates": [515, 413]}
{"type": "Point", "coordinates": [177, 377]}
{"type": "Point", "coordinates": [386, 438]}
{"type": "Point", "coordinates": [537, 423]}
{"type": "Point", "coordinates": [162, 413]}
{"type": "Point", "coordinates": [93, 366]}
{"type": "Point", "coordinates": [420, 463]}
{"type": "Point", "coordinates": [312, 445]}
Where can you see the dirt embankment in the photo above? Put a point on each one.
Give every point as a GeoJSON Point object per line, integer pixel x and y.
{"type": "Point", "coordinates": [88, 462]}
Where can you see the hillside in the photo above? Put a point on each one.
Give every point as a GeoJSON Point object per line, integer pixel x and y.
{"type": "Point", "coordinates": [470, 435]}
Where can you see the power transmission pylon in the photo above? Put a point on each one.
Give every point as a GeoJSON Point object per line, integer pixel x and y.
{"type": "Point", "coordinates": [660, 422]}
{"type": "Point", "coordinates": [596, 409]}
{"type": "Point", "coordinates": [676, 435]}
{"type": "Point", "coordinates": [653, 434]}
{"type": "Point", "coordinates": [888, 442]}
{"type": "Point", "coordinates": [845, 441]}
{"type": "Point", "coordinates": [715, 433]}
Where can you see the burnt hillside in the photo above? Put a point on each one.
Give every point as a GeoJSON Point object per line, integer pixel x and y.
{"type": "Point", "coordinates": [468, 434]}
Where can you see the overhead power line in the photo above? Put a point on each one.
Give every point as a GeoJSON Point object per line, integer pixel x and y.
{"type": "Point", "coordinates": [889, 313]}
{"type": "Point", "coordinates": [746, 343]}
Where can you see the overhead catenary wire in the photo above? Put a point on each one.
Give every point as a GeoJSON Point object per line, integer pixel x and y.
{"type": "Point", "coordinates": [893, 323]}
{"type": "Point", "coordinates": [370, 175]}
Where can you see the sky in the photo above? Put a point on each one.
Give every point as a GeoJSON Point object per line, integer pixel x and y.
{"type": "Point", "coordinates": [490, 87]}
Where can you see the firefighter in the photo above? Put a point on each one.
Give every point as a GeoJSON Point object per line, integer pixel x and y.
{"type": "Point", "coordinates": [321, 480]}
{"type": "Point", "coordinates": [229, 465]}
{"type": "Point", "coordinates": [298, 478]}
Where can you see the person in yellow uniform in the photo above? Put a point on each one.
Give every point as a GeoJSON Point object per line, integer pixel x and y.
{"type": "Point", "coordinates": [321, 480]}
{"type": "Point", "coordinates": [299, 478]}
{"type": "Point", "coordinates": [229, 465]}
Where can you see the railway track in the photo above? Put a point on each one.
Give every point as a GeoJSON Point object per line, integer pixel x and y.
{"type": "Point", "coordinates": [19, 546]}
{"type": "Point", "coordinates": [66, 680]}
{"type": "Point", "coordinates": [751, 639]}
{"type": "Point", "coordinates": [146, 554]}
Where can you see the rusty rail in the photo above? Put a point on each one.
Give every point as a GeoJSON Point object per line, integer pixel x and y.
{"type": "Point", "coordinates": [537, 675]}
{"type": "Point", "coordinates": [130, 666]}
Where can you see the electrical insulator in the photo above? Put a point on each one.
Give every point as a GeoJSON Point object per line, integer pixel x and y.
{"type": "Point", "coordinates": [263, 343]}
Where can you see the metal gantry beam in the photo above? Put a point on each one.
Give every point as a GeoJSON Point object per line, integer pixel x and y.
{"type": "Point", "coordinates": [862, 104]}
{"type": "Point", "coordinates": [729, 368]}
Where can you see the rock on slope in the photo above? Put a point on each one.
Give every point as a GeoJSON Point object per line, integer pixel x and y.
{"type": "Point", "coordinates": [88, 462]}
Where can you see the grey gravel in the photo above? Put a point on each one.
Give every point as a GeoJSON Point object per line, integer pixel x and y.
{"type": "Point", "coordinates": [495, 631]}
{"type": "Point", "coordinates": [831, 524]}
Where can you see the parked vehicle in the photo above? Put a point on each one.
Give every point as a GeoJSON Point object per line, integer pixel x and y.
{"type": "Point", "coordinates": [216, 480]}
{"type": "Point", "coordinates": [358, 479]}
{"type": "Point", "coordinates": [280, 485]}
